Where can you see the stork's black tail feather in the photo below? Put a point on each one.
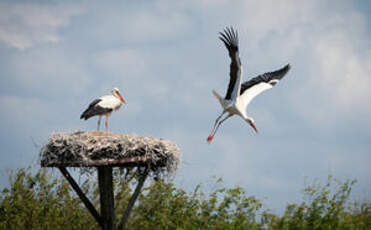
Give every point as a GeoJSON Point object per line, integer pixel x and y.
{"type": "Point", "coordinates": [85, 115]}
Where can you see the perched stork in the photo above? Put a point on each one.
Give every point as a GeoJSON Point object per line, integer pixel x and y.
{"type": "Point", "coordinates": [239, 95]}
{"type": "Point", "coordinates": [104, 106]}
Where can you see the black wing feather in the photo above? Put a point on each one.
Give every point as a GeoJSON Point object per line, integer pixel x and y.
{"type": "Point", "coordinates": [230, 40]}
{"type": "Point", "coordinates": [266, 77]}
{"type": "Point", "coordinates": [94, 109]}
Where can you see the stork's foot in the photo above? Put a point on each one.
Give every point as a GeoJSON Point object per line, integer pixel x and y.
{"type": "Point", "coordinates": [209, 139]}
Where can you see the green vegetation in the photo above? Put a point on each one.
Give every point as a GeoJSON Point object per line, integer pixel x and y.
{"type": "Point", "coordinates": [40, 201]}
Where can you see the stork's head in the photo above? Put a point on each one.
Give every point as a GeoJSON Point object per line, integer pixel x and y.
{"type": "Point", "coordinates": [252, 124]}
{"type": "Point", "coordinates": [116, 93]}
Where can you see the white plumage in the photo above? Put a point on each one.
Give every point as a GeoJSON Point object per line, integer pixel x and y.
{"type": "Point", "coordinates": [110, 101]}
{"type": "Point", "coordinates": [239, 95]}
{"type": "Point", "coordinates": [104, 106]}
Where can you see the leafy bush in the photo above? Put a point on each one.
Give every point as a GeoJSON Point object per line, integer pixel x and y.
{"type": "Point", "coordinates": [326, 207]}
{"type": "Point", "coordinates": [40, 201]}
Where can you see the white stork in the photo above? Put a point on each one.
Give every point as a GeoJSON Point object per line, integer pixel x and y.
{"type": "Point", "coordinates": [104, 106]}
{"type": "Point", "coordinates": [239, 95]}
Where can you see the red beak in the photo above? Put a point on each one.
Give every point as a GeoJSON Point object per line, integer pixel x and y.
{"type": "Point", "coordinates": [254, 127]}
{"type": "Point", "coordinates": [122, 99]}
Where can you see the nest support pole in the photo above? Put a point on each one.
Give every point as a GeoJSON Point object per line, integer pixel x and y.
{"type": "Point", "coordinates": [104, 151]}
{"type": "Point", "coordinates": [107, 209]}
{"type": "Point", "coordinates": [81, 194]}
{"type": "Point", "coordinates": [105, 181]}
{"type": "Point", "coordinates": [133, 198]}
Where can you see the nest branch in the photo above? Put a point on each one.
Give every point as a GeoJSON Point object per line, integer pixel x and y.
{"type": "Point", "coordinates": [93, 149]}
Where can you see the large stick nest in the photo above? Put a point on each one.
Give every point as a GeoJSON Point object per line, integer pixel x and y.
{"type": "Point", "coordinates": [96, 148]}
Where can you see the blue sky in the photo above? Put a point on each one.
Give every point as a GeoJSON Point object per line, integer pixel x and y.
{"type": "Point", "coordinates": [165, 57]}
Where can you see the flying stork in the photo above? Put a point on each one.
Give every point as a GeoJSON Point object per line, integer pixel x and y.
{"type": "Point", "coordinates": [239, 95]}
{"type": "Point", "coordinates": [104, 106]}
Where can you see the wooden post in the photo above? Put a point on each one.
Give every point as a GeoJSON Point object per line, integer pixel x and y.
{"type": "Point", "coordinates": [105, 180]}
{"type": "Point", "coordinates": [132, 200]}
{"type": "Point", "coordinates": [106, 197]}
{"type": "Point", "coordinates": [82, 196]}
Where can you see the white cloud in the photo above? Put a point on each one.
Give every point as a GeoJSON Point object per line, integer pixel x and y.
{"type": "Point", "coordinates": [49, 71]}
{"type": "Point", "coordinates": [133, 68]}
{"type": "Point", "coordinates": [156, 25]}
{"type": "Point", "coordinates": [166, 58]}
{"type": "Point", "coordinates": [24, 25]}
{"type": "Point", "coordinates": [21, 113]}
{"type": "Point", "coordinates": [121, 61]}
{"type": "Point", "coordinates": [153, 22]}
{"type": "Point", "coordinates": [327, 38]}
{"type": "Point", "coordinates": [344, 72]}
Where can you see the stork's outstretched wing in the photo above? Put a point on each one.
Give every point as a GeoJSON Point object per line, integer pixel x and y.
{"type": "Point", "coordinates": [230, 40]}
{"type": "Point", "coordinates": [259, 84]}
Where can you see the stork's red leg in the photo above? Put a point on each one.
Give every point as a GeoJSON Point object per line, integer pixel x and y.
{"type": "Point", "coordinates": [210, 138]}
{"type": "Point", "coordinates": [217, 127]}
{"type": "Point", "coordinates": [106, 123]}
